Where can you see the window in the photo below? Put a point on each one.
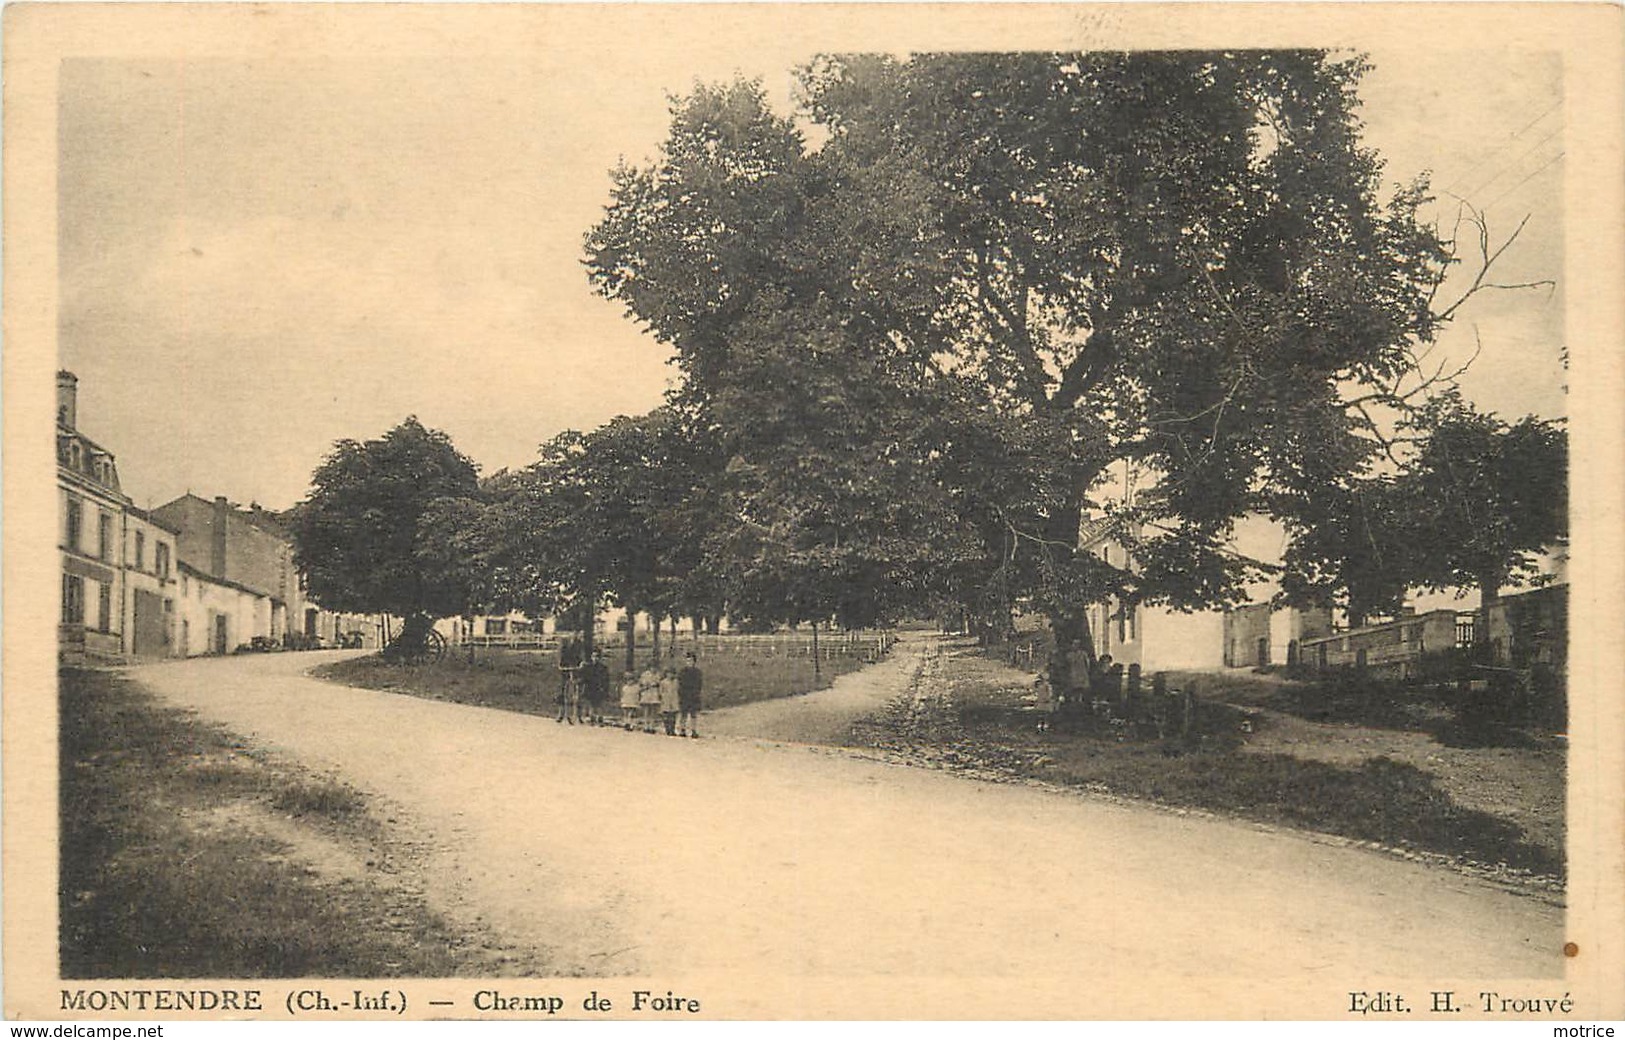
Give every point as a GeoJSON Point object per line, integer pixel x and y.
{"type": "Point", "coordinates": [76, 523]}
{"type": "Point", "coordinates": [104, 537]}
{"type": "Point", "coordinates": [140, 550]}
{"type": "Point", "coordinates": [496, 626]}
{"type": "Point", "coordinates": [160, 562]}
{"type": "Point", "coordinates": [73, 599]}
{"type": "Point", "coordinates": [104, 606]}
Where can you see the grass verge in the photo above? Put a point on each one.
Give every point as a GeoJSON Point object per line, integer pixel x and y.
{"type": "Point", "coordinates": [186, 855]}
{"type": "Point", "coordinates": [528, 681]}
{"type": "Point", "coordinates": [982, 726]}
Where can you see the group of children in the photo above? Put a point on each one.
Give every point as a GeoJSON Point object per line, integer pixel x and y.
{"type": "Point", "coordinates": [672, 694]}
{"type": "Point", "coordinates": [668, 695]}
{"type": "Point", "coordinates": [1105, 683]}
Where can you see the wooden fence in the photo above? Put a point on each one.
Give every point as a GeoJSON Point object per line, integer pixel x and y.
{"type": "Point", "coordinates": [868, 644]}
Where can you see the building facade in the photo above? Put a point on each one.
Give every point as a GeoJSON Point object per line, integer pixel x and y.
{"type": "Point", "coordinates": [119, 582]}
{"type": "Point", "coordinates": [249, 555]}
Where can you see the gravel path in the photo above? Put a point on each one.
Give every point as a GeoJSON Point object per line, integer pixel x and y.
{"type": "Point", "coordinates": [621, 853]}
{"type": "Point", "coordinates": [826, 716]}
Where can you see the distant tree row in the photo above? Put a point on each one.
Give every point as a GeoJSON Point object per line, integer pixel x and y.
{"type": "Point", "coordinates": [914, 352]}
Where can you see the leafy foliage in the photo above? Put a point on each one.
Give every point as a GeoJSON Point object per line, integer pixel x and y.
{"type": "Point", "coordinates": [1487, 495]}
{"type": "Point", "coordinates": [999, 275]}
{"type": "Point", "coordinates": [356, 535]}
{"type": "Point", "coordinates": [614, 514]}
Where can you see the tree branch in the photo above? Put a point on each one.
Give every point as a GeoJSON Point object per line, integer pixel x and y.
{"type": "Point", "coordinates": [1020, 337]}
{"type": "Point", "coordinates": [1487, 259]}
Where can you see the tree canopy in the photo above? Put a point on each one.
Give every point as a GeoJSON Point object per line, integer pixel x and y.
{"type": "Point", "coordinates": [1487, 496]}
{"type": "Point", "coordinates": [1058, 263]}
{"type": "Point", "coordinates": [357, 533]}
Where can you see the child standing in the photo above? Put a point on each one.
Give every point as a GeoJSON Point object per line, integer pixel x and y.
{"type": "Point", "coordinates": [631, 693]}
{"type": "Point", "coordinates": [649, 697]}
{"type": "Point", "coordinates": [668, 700]}
{"type": "Point", "coordinates": [1044, 700]}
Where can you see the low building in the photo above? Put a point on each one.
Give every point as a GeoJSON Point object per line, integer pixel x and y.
{"type": "Point", "coordinates": [218, 615]}
{"type": "Point", "coordinates": [1392, 649]}
{"type": "Point", "coordinates": [1525, 630]}
{"type": "Point", "coordinates": [245, 550]}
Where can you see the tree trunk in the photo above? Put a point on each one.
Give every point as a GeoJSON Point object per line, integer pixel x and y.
{"type": "Point", "coordinates": [587, 633]}
{"type": "Point", "coordinates": [816, 672]}
{"type": "Point", "coordinates": [1069, 622]}
{"type": "Point", "coordinates": [413, 637]}
{"type": "Point", "coordinates": [654, 635]}
{"type": "Point", "coordinates": [631, 638]}
{"type": "Point", "coordinates": [1070, 630]}
{"type": "Point", "coordinates": [1489, 594]}
{"type": "Point", "coordinates": [468, 635]}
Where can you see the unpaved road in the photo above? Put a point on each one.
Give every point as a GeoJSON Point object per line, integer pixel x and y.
{"type": "Point", "coordinates": [622, 853]}
{"type": "Point", "coordinates": [826, 716]}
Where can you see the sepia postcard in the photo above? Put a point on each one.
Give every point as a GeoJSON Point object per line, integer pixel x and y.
{"type": "Point", "coordinates": [677, 511]}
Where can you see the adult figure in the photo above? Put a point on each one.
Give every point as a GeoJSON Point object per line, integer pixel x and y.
{"type": "Point", "coordinates": [569, 681]}
{"type": "Point", "coordinates": [690, 681]}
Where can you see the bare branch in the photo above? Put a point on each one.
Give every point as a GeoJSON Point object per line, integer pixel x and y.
{"type": "Point", "coordinates": [1392, 395]}
{"type": "Point", "coordinates": [1544, 283]}
{"type": "Point", "coordinates": [1487, 258]}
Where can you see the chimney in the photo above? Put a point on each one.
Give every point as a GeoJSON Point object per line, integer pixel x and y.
{"type": "Point", "coordinates": [67, 399]}
{"type": "Point", "coordinates": [217, 549]}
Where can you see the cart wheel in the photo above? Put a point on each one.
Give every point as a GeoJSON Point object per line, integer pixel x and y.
{"type": "Point", "coordinates": [434, 646]}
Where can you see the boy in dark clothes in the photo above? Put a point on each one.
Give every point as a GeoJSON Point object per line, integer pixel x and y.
{"type": "Point", "coordinates": [689, 683]}
{"type": "Point", "coordinates": [595, 683]}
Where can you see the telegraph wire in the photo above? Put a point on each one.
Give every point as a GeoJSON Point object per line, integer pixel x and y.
{"type": "Point", "coordinates": [1509, 167]}
{"type": "Point", "coordinates": [1463, 175]}
{"type": "Point", "coordinates": [1526, 179]}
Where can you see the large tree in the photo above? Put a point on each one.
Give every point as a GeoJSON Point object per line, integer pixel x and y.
{"type": "Point", "coordinates": [832, 503]}
{"type": "Point", "coordinates": [1488, 496]}
{"type": "Point", "coordinates": [606, 515]}
{"type": "Point", "coordinates": [1355, 544]}
{"type": "Point", "coordinates": [1174, 260]}
{"type": "Point", "coordinates": [357, 534]}
{"type": "Point", "coordinates": [455, 551]}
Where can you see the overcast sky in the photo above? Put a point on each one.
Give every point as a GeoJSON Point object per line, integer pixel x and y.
{"type": "Point", "coordinates": [259, 259]}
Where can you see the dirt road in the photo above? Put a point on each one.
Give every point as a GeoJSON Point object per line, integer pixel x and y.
{"type": "Point", "coordinates": [622, 853]}
{"type": "Point", "coordinates": [825, 716]}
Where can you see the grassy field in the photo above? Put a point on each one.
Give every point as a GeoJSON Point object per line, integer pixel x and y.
{"type": "Point", "coordinates": [528, 682]}
{"type": "Point", "coordinates": [185, 854]}
{"type": "Point", "coordinates": [984, 725]}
